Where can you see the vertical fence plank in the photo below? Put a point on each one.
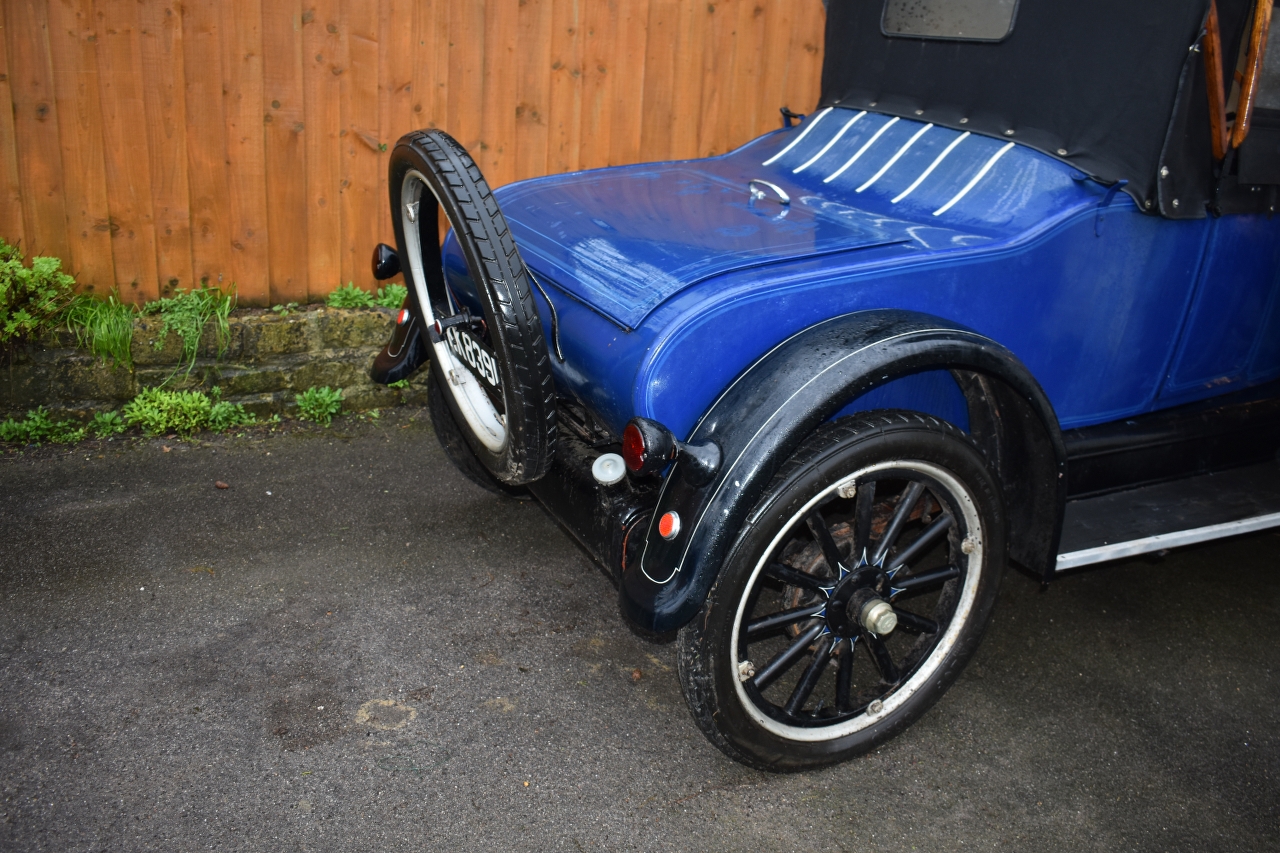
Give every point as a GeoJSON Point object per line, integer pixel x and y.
{"type": "Point", "coordinates": [246, 156]}
{"type": "Point", "coordinates": [285, 163]}
{"type": "Point", "coordinates": [133, 236]}
{"type": "Point", "coordinates": [533, 88]}
{"type": "Point", "coordinates": [322, 67]}
{"type": "Point", "coordinates": [748, 75]}
{"type": "Point", "coordinates": [717, 45]}
{"type": "Point", "coordinates": [360, 145]}
{"type": "Point", "coordinates": [206, 145]}
{"type": "Point", "coordinates": [11, 229]}
{"type": "Point", "coordinates": [657, 120]}
{"type": "Point", "coordinates": [260, 160]}
{"type": "Point", "coordinates": [75, 78]}
{"type": "Point", "coordinates": [35, 120]}
{"type": "Point", "coordinates": [163, 78]}
{"type": "Point", "coordinates": [565, 93]}
{"type": "Point", "coordinates": [463, 119]}
{"type": "Point", "coordinates": [598, 51]}
{"type": "Point", "coordinates": [628, 81]}
{"type": "Point", "coordinates": [402, 27]}
{"type": "Point", "coordinates": [498, 134]}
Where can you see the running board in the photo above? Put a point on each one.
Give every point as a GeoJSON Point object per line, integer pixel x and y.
{"type": "Point", "coordinates": [1169, 515]}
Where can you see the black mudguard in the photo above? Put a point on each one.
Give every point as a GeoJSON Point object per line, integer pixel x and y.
{"type": "Point", "coordinates": [407, 350]}
{"type": "Point", "coordinates": [760, 420]}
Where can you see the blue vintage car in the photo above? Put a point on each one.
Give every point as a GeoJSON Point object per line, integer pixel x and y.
{"type": "Point", "coordinates": [1009, 295]}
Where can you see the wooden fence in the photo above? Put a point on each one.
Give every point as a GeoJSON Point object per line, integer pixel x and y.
{"type": "Point", "coordinates": [155, 144]}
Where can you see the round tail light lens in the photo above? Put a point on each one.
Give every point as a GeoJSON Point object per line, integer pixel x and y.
{"type": "Point", "coordinates": [633, 451]}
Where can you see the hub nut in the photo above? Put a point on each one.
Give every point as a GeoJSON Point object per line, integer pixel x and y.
{"type": "Point", "coordinates": [878, 617]}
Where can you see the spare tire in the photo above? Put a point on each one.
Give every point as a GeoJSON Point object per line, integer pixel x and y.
{"type": "Point", "coordinates": [492, 361]}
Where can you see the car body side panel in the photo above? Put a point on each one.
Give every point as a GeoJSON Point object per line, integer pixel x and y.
{"type": "Point", "coordinates": [1233, 315]}
{"type": "Point", "coordinates": [1076, 308]}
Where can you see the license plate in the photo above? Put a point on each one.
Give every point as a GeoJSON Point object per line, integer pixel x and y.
{"type": "Point", "coordinates": [474, 354]}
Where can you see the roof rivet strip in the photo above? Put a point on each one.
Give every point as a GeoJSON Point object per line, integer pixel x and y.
{"type": "Point", "coordinates": [803, 133]}
{"type": "Point", "coordinates": [973, 182]}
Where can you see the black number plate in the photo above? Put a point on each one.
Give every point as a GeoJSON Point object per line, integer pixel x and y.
{"type": "Point", "coordinates": [474, 354]}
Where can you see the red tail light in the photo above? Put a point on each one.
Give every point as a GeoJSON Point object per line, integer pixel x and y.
{"type": "Point", "coordinates": [647, 446]}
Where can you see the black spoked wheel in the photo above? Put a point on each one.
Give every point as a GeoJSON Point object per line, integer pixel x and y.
{"type": "Point", "coordinates": [855, 601]}
{"type": "Point", "coordinates": [488, 352]}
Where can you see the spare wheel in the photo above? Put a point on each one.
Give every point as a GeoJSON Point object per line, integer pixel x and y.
{"type": "Point", "coordinates": [487, 346]}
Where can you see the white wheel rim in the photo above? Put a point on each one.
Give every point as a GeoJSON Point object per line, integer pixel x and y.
{"type": "Point", "coordinates": [482, 417]}
{"type": "Point", "coordinates": [941, 650]}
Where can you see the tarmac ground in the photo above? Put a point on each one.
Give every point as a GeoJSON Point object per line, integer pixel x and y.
{"type": "Point", "coordinates": [353, 648]}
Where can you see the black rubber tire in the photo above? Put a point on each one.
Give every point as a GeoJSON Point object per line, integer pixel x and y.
{"type": "Point", "coordinates": [707, 662]}
{"type": "Point", "coordinates": [513, 329]}
{"type": "Point", "coordinates": [455, 446]}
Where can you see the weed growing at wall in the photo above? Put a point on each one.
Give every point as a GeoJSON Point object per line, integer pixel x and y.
{"type": "Point", "coordinates": [187, 314]}
{"type": "Point", "coordinates": [350, 296]}
{"type": "Point", "coordinates": [38, 427]}
{"type": "Point", "coordinates": [32, 299]}
{"type": "Point", "coordinates": [319, 404]}
{"type": "Point", "coordinates": [104, 327]}
{"type": "Point", "coordinates": [156, 411]}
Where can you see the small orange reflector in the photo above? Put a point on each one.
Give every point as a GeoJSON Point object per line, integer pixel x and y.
{"type": "Point", "coordinates": [669, 525]}
{"type": "Point", "coordinates": [403, 318]}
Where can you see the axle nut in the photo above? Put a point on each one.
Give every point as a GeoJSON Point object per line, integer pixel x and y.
{"type": "Point", "coordinates": [878, 616]}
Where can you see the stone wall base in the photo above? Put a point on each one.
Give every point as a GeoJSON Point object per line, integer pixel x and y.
{"type": "Point", "coordinates": [269, 360]}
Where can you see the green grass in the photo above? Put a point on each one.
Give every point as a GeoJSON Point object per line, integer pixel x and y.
{"type": "Point", "coordinates": [187, 314]}
{"type": "Point", "coordinates": [391, 296]}
{"type": "Point", "coordinates": [103, 326]}
{"type": "Point", "coordinates": [319, 404]}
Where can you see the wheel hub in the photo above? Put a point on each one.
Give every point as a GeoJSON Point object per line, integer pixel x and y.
{"type": "Point", "coordinates": [858, 602]}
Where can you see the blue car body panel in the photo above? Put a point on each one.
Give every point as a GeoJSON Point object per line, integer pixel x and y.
{"type": "Point", "coordinates": [670, 279]}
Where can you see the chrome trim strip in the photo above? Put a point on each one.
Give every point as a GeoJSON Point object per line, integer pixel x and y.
{"type": "Point", "coordinates": [903, 150]}
{"type": "Point", "coordinates": [974, 181]}
{"type": "Point", "coordinates": [1160, 542]}
{"type": "Point", "coordinates": [802, 135]}
{"type": "Point", "coordinates": [863, 150]}
{"type": "Point", "coordinates": [827, 147]}
{"type": "Point", "coordinates": [932, 166]}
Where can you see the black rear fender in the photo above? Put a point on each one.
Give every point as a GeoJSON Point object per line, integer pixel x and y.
{"type": "Point", "coordinates": [781, 399]}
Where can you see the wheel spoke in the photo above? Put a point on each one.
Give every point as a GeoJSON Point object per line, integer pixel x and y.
{"type": "Point", "coordinates": [783, 661]}
{"type": "Point", "coordinates": [919, 583]}
{"type": "Point", "coordinates": [906, 503]}
{"type": "Point", "coordinates": [880, 656]}
{"type": "Point", "coordinates": [766, 624]}
{"type": "Point", "coordinates": [844, 676]}
{"type": "Point", "coordinates": [831, 551]}
{"type": "Point", "coordinates": [793, 577]}
{"type": "Point", "coordinates": [931, 534]}
{"type": "Point", "coordinates": [812, 673]}
{"type": "Point", "coordinates": [862, 528]}
{"type": "Point", "coordinates": [914, 623]}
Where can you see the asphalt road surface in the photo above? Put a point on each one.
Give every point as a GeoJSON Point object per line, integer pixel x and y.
{"type": "Point", "coordinates": [352, 648]}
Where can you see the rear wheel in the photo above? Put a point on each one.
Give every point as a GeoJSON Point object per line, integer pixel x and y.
{"type": "Point", "coordinates": [856, 598]}
{"type": "Point", "coordinates": [488, 352]}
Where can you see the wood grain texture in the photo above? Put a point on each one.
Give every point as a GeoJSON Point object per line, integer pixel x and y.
{"type": "Point", "coordinates": [11, 228]}
{"type": "Point", "coordinates": [284, 126]}
{"type": "Point", "coordinates": [124, 119]}
{"type": "Point", "coordinates": [164, 94]}
{"type": "Point", "coordinates": [36, 134]}
{"type": "Point", "coordinates": [72, 42]}
{"type": "Point", "coordinates": [155, 144]}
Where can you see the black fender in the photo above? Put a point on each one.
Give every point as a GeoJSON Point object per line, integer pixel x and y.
{"type": "Point", "coordinates": [777, 402]}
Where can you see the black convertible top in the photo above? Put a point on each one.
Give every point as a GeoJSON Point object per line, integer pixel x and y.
{"type": "Point", "coordinates": [1113, 87]}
